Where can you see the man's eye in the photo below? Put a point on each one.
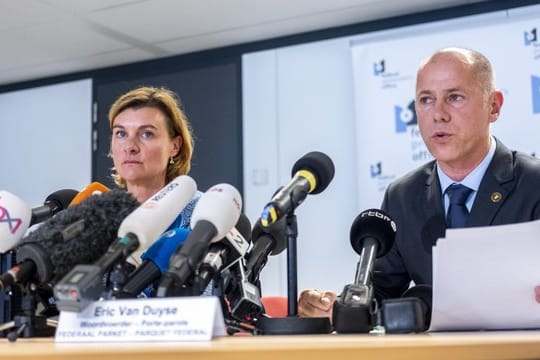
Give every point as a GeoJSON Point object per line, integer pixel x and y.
{"type": "Point", "coordinates": [425, 100]}
{"type": "Point", "coordinates": [455, 97]}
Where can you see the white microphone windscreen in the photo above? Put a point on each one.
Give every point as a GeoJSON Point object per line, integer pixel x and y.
{"type": "Point", "coordinates": [15, 216]}
{"type": "Point", "coordinates": [157, 213]}
{"type": "Point", "coordinates": [221, 205]}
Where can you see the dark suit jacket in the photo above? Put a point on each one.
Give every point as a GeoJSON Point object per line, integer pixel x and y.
{"type": "Point", "coordinates": [509, 193]}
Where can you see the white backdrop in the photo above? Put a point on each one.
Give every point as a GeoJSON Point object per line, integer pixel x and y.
{"type": "Point", "coordinates": [325, 96]}
{"type": "Point", "coordinates": [389, 142]}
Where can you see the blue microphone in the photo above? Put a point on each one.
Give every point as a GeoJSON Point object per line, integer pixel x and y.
{"type": "Point", "coordinates": [155, 261]}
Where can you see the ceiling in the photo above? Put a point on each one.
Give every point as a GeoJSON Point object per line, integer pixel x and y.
{"type": "Point", "coordinates": [44, 38]}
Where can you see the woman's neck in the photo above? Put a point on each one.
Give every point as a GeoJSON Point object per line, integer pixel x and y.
{"type": "Point", "coordinates": [142, 192]}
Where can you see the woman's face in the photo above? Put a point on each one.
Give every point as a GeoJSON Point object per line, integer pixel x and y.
{"type": "Point", "coordinates": [141, 146]}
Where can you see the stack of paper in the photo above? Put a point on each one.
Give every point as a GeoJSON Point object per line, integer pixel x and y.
{"type": "Point", "coordinates": [484, 278]}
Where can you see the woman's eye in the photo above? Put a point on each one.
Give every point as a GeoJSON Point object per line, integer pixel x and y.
{"type": "Point", "coordinates": [119, 133]}
{"type": "Point", "coordinates": [147, 134]}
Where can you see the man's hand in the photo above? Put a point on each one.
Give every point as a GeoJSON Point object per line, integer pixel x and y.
{"type": "Point", "coordinates": [537, 293]}
{"type": "Point", "coordinates": [313, 303]}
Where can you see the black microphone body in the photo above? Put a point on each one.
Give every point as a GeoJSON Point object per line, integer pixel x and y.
{"type": "Point", "coordinates": [155, 262]}
{"type": "Point", "coordinates": [57, 201]}
{"type": "Point", "coordinates": [89, 277]}
{"type": "Point", "coordinates": [311, 175]}
{"type": "Point", "coordinates": [184, 263]}
{"type": "Point", "coordinates": [267, 241]}
{"type": "Point", "coordinates": [224, 252]}
{"type": "Point", "coordinates": [372, 235]}
{"type": "Point", "coordinates": [411, 313]}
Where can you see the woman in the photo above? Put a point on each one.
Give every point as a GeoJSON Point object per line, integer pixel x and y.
{"type": "Point", "coordinates": [151, 144]}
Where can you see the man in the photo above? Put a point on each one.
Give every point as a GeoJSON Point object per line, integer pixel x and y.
{"type": "Point", "coordinates": [456, 101]}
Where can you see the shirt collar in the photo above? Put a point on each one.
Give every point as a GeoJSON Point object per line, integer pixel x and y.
{"type": "Point", "coordinates": [474, 178]}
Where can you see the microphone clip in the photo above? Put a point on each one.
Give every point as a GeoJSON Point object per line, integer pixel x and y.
{"type": "Point", "coordinates": [355, 309]}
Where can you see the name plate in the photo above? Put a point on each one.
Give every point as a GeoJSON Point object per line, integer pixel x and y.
{"type": "Point", "coordinates": [155, 319]}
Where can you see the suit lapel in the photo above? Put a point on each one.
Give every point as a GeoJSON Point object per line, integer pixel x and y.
{"type": "Point", "coordinates": [434, 203]}
{"type": "Point", "coordinates": [496, 184]}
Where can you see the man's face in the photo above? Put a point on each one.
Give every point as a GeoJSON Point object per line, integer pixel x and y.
{"type": "Point", "coordinates": [454, 112]}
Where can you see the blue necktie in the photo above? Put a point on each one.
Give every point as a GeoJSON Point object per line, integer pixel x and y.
{"type": "Point", "coordinates": [457, 211]}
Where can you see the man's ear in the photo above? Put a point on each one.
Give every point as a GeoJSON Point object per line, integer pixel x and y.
{"type": "Point", "coordinates": [496, 102]}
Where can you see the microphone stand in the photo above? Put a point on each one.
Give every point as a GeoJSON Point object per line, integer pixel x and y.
{"type": "Point", "coordinates": [293, 324]}
{"type": "Point", "coordinates": [27, 324]}
{"type": "Point", "coordinates": [292, 265]}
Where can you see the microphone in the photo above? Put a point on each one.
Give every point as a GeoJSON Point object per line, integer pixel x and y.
{"type": "Point", "coordinates": [94, 188]}
{"type": "Point", "coordinates": [57, 201]}
{"type": "Point", "coordinates": [311, 175]}
{"type": "Point", "coordinates": [244, 297]}
{"type": "Point", "coordinates": [216, 212]}
{"type": "Point", "coordinates": [156, 214]}
{"type": "Point", "coordinates": [267, 241]}
{"type": "Point", "coordinates": [224, 253]}
{"type": "Point", "coordinates": [372, 235]}
{"type": "Point", "coordinates": [138, 230]}
{"type": "Point", "coordinates": [15, 216]}
{"type": "Point", "coordinates": [155, 262]}
{"type": "Point", "coordinates": [78, 234]}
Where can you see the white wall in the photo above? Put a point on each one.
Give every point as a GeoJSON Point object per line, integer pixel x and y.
{"type": "Point", "coordinates": [45, 140]}
{"type": "Point", "coordinates": [297, 100]}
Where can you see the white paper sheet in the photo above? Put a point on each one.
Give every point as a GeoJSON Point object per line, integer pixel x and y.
{"type": "Point", "coordinates": [484, 278]}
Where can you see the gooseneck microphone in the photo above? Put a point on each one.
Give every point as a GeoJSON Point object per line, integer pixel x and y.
{"type": "Point", "coordinates": [267, 241]}
{"type": "Point", "coordinates": [57, 201]}
{"type": "Point", "coordinates": [372, 235]}
{"type": "Point", "coordinates": [83, 284]}
{"type": "Point", "coordinates": [76, 235]}
{"type": "Point", "coordinates": [311, 175]}
{"type": "Point", "coordinates": [216, 212]}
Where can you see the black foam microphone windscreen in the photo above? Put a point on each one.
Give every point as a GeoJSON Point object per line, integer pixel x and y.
{"type": "Point", "coordinates": [99, 218]}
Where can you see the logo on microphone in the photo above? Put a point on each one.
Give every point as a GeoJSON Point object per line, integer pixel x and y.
{"type": "Point", "coordinates": [167, 189]}
{"type": "Point", "coordinates": [535, 90]}
{"type": "Point", "coordinates": [380, 215]}
{"type": "Point", "coordinates": [13, 223]}
{"type": "Point", "coordinates": [404, 116]}
{"type": "Point", "coordinates": [530, 37]}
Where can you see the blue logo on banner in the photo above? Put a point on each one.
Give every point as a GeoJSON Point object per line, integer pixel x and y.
{"type": "Point", "coordinates": [535, 90]}
{"type": "Point", "coordinates": [530, 37]}
{"type": "Point", "coordinates": [404, 117]}
{"type": "Point", "coordinates": [379, 68]}
{"type": "Point", "coordinates": [375, 169]}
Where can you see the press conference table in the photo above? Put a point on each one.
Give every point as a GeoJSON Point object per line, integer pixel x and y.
{"type": "Point", "coordinates": [473, 345]}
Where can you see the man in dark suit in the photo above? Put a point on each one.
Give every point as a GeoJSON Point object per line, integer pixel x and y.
{"type": "Point", "coordinates": [456, 101]}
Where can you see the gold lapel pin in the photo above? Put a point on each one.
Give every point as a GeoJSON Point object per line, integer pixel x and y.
{"type": "Point", "coordinates": [496, 197]}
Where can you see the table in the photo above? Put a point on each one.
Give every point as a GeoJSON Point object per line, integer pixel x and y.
{"type": "Point", "coordinates": [458, 345]}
